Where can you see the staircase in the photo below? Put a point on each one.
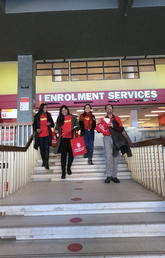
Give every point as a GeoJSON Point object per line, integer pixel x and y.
{"type": "Point", "coordinates": [128, 229]}
{"type": "Point", "coordinates": [80, 168]}
{"type": "Point", "coordinates": [85, 218]}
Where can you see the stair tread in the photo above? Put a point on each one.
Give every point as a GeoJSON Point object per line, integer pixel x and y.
{"type": "Point", "coordinates": [87, 220]}
{"type": "Point", "coordinates": [92, 192]}
{"type": "Point", "coordinates": [91, 247]}
{"type": "Point", "coordinates": [82, 173]}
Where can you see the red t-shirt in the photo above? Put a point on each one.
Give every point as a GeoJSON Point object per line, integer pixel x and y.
{"type": "Point", "coordinates": [110, 122]}
{"type": "Point", "coordinates": [67, 127]}
{"type": "Point", "coordinates": [87, 120]}
{"type": "Point", "coordinates": [43, 126]}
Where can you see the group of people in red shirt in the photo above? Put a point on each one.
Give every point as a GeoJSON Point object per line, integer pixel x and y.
{"type": "Point", "coordinates": [65, 127]}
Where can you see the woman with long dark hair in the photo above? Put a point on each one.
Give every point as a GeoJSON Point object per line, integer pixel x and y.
{"type": "Point", "coordinates": [43, 136]}
{"type": "Point", "coordinates": [66, 125]}
{"type": "Point", "coordinates": [87, 124]}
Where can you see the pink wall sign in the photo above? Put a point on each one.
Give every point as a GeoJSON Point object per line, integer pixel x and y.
{"type": "Point", "coordinates": [98, 98]}
{"type": "Point", "coordinates": [95, 98]}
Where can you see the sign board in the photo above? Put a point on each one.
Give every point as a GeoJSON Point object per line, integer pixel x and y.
{"type": "Point", "coordinates": [24, 104]}
{"type": "Point", "coordinates": [97, 98]}
{"type": "Point", "coordinates": [8, 113]}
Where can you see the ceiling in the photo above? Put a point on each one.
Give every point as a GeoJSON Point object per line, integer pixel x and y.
{"type": "Point", "coordinates": [124, 28]}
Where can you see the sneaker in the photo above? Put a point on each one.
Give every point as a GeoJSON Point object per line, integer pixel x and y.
{"type": "Point", "coordinates": [90, 162]}
{"type": "Point", "coordinates": [107, 180]}
{"type": "Point", "coordinates": [115, 180]}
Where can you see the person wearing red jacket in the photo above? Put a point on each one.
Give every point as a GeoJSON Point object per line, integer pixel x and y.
{"type": "Point", "coordinates": [87, 124]}
{"type": "Point", "coordinates": [66, 126]}
{"type": "Point", "coordinates": [42, 125]}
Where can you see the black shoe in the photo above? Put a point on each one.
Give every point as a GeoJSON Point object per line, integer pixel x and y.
{"type": "Point", "coordinates": [90, 162]}
{"type": "Point", "coordinates": [107, 180]}
{"type": "Point", "coordinates": [43, 164]}
{"type": "Point", "coordinates": [115, 180]}
{"type": "Point", "coordinates": [47, 167]}
{"type": "Point", "coordinates": [69, 172]}
{"type": "Point", "coordinates": [86, 155]}
{"type": "Point", "coordinates": [63, 177]}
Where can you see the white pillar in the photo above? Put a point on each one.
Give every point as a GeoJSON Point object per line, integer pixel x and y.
{"type": "Point", "coordinates": [134, 118]}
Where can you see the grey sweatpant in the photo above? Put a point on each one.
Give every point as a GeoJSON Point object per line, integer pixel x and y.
{"type": "Point", "coordinates": [111, 162]}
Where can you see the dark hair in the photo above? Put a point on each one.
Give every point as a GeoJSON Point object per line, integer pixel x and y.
{"type": "Point", "coordinates": [41, 109]}
{"type": "Point", "coordinates": [108, 105]}
{"type": "Point", "coordinates": [60, 118]}
{"type": "Point", "coordinates": [84, 113]}
{"type": "Point", "coordinates": [87, 105]}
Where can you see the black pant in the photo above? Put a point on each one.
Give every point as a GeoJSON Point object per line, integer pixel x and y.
{"type": "Point", "coordinates": [65, 148]}
{"type": "Point", "coordinates": [44, 149]}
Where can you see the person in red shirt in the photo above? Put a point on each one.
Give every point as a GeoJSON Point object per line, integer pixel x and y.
{"type": "Point", "coordinates": [111, 161]}
{"type": "Point", "coordinates": [87, 124]}
{"type": "Point", "coordinates": [65, 126]}
{"type": "Point", "coordinates": [43, 137]}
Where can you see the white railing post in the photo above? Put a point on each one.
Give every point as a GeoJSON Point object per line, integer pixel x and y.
{"type": "Point", "coordinates": [148, 167]}
{"type": "Point", "coordinates": [16, 168]}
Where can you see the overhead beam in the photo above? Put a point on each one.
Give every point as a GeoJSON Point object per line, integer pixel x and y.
{"type": "Point", "coordinates": [26, 6]}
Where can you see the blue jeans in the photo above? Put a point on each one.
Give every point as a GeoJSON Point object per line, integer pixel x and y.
{"type": "Point", "coordinates": [89, 141]}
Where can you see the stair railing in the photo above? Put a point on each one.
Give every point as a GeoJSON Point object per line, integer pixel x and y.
{"type": "Point", "coordinates": [147, 164]}
{"type": "Point", "coordinates": [17, 160]}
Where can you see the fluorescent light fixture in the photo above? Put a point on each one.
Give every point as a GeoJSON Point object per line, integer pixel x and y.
{"type": "Point", "coordinates": [141, 122]}
{"type": "Point", "coordinates": [151, 115]}
{"type": "Point", "coordinates": [124, 116]}
{"type": "Point", "coordinates": [99, 116]}
{"type": "Point", "coordinates": [103, 113]}
{"type": "Point", "coordinates": [158, 111]}
{"type": "Point", "coordinates": [145, 119]}
{"type": "Point", "coordinates": [161, 107]}
{"type": "Point", "coordinates": [80, 110]}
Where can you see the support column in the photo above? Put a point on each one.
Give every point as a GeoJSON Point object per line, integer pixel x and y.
{"type": "Point", "coordinates": [133, 132]}
{"type": "Point", "coordinates": [134, 118]}
{"type": "Point", "coordinates": [26, 88]}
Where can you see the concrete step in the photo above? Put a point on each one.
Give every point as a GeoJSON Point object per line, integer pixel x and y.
{"type": "Point", "coordinates": [95, 156]}
{"type": "Point", "coordinates": [75, 177]}
{"type": "Point", "coordinates": [86, 168]}
{"type": "Point", "coordinates": [91, 226]}
{"type": "Point", "coordinates": [145, 247]}
{"type": "Point", "coordinates": [78, 163]}
{"type": "Point", "coordinates": [83, 172]}
{"type": "Point", "coordinates": [83, 208]}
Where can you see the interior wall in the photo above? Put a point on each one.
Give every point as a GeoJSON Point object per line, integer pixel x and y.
{"type": "Point", "coordinates": [44, 84]}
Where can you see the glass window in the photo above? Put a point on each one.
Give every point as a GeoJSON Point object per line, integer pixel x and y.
{"type": "Point", "coordinates": [94, 63]}
{"type": "Point", "coordinates": [95, 76]}
{"type": "Point", "coordinates": [79, 77]}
